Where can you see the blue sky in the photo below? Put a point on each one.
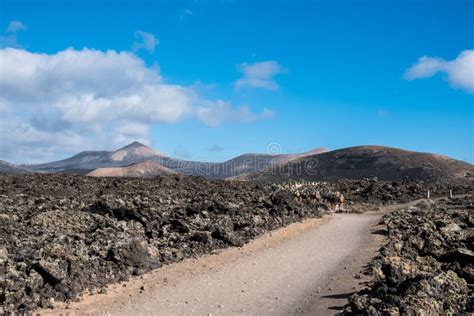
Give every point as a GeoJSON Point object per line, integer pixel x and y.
{"type": "Point", "coordinates": [302, 74]}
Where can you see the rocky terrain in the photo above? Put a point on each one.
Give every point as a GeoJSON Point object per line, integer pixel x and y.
{"type": "Point", "coordinates": [64, 234]}
{"type": "Point", "coordinates": [385, 163]}
{"type": "Point", "coordinates": [372, 191]}
{"type": "Point", "coordinates": [427, 266]}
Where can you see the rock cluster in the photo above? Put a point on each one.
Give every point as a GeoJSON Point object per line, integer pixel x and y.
{"type": "Point", "coordinates": [427, 266]}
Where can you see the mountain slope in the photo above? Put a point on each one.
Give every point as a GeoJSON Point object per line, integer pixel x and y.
{"type": "Point", "coordinates": [249, 163]}
{"type": "Point", "coordinates": [360, 162]}
{"type": "Point", "coordinates": [146, 169]}
{"type": "Point", "coordinates": [11, 168]}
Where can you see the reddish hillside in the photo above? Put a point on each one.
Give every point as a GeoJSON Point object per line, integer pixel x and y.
{"type": "Point", "coordinates": [144, 169]}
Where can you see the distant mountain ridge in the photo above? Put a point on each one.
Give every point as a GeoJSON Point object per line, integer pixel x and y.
{"type": "Point", "coordinates": [119, 162]}
{"type": "Point", "coordinates": [138, 160]}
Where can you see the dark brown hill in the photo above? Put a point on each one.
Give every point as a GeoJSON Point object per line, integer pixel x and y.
{"type": "Point", "coordinates": [361, 162]}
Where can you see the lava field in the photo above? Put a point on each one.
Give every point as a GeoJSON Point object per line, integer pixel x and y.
{"type": "Point", "coordinates": [61, 235]}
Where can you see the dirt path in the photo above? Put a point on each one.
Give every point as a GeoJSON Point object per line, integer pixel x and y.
{"type": "Point", "coordinates": [303, 268]}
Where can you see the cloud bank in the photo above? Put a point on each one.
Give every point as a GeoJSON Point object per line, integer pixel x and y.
{"type": "Point", "coordinates": [91, 99]}
{"type": "Point", "coordinates": [459, 72]}
{"type": "Point", "coordinates": [259, 75]}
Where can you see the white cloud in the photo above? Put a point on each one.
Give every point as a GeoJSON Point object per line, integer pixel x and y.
{"type": "Point", "coordinates": [10, 38]}
{"type": "Point", "coordinates": [259, 75]}
{"type": "Point", "coordinates": [144, 40]}
{"type": "Point", "coordinates": [460, 71]}
{"type": "Point", "coordinates": [57, 104]}
{"type": "Point", "coordinates": [23, 142]}
{"type": "Point", "coordinates": [90, 85]}
{"type": "Point", "coordinates": [133, 129]}
{"type": "Point", "coordinates": [215, 113]}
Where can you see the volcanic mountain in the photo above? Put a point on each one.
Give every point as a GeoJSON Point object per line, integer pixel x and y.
{"type": "Point", "coordinates": [87, 161]}
{"type": "Point", "coordinates": [361, 162]}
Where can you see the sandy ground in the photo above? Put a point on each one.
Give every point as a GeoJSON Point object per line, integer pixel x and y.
{"type": "Point", "coordinates": [305, 268]}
